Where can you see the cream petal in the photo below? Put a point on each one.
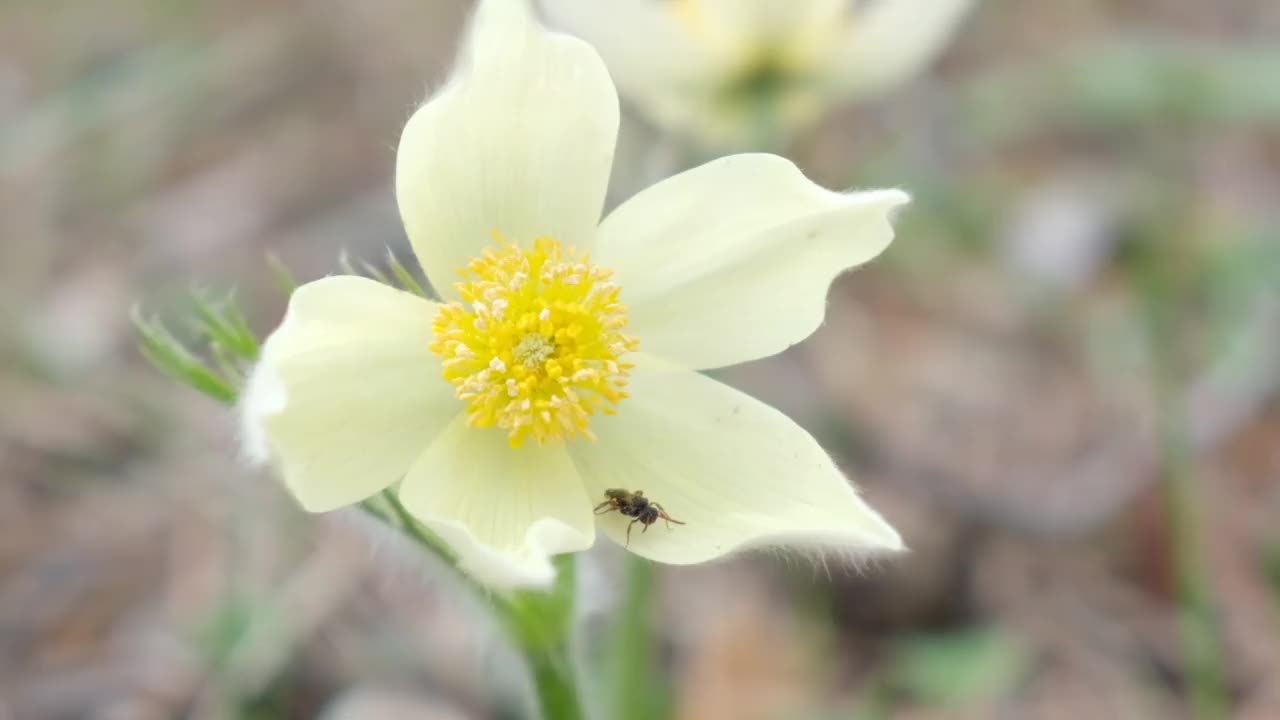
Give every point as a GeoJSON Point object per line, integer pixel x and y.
{"type": "Point", "coordinates": [519, 142]}
{"type": "Point", "coordinates": [736, 472]}
{"type": "Point", "coordinates": [504, 511]}
{"type": "Point", "coordinates": [731, 261]}
{"type": "Point", "coordinates": [892, 41]}
{"type": "Point", "coordinates": [346, 394]}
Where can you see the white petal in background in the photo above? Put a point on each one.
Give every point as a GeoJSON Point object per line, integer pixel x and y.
{"type": "Point", "coordinates": [347, 395]}
{"type": "Point", "coordinates": [737, 472]}
{"type": "Point", "coordinates": [504, 511]}
{"type": "Point", "coordinates": [731, 261]}
{"type": "Point", "coordinates": [892, 41]}
{"type": "Point", "coordinates": [520, 141]}
{"type": "Point", "coordinates": [649, 53]}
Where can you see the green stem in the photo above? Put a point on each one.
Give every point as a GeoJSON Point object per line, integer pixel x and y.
{"type": "Point", "coordinates": [541, 626]}
{"type": "Point", "coordinates": [553, 680]}
{"type": "Point", "coordinates": [635, 691]}
{"type": "Point", "coordinates": [415, 529]}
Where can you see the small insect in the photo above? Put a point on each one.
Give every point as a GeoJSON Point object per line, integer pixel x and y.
{"type": "Point", "coordinates": [634, 505]}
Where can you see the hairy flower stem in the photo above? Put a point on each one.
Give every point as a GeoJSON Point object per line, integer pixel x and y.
{"type": "Point", "coordinates": [635, 691]}
{"type": "Point", "coordinates": [554, 683]}
{"type": "Point", "coordinates": [541, 626]}
{"type": "Point", "coordinates": [538, 624]}
{"type": "Point", "coordinates": [424, 537]}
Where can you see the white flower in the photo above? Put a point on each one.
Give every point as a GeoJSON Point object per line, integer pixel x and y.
{"type": "Point", "coordinates": [501, 410]}
{"type": "Point", "coordinates": [732, 73]}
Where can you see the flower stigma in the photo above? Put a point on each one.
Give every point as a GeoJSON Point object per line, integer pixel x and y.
{"type": "Point", "coordinates": [534, 345]}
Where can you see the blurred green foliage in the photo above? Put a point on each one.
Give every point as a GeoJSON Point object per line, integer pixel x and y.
{"type": "Point", "coordinates": [957, 667]}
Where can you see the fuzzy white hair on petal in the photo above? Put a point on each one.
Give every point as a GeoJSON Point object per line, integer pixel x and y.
{"type": "Point", "coordinates": [264, 395]}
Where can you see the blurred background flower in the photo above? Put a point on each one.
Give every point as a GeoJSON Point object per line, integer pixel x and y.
{"type": "Point", "coordinates": [1059, 383]}
{"type": "Point", "coordinates": [738, 74]}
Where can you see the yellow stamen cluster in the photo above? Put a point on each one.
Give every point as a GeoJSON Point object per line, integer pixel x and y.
{"type": "Point", "coordinates": [534, 345]}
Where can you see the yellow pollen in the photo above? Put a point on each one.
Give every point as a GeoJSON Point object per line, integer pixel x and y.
{"type": "Point", "coordinates": [533, 347]}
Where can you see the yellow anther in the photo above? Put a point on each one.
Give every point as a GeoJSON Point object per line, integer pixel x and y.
{"type": "Point", "coordinates": [534, 345]}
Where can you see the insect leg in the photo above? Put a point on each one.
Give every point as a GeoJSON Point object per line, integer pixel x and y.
{"type": "Point", "coordinates": [662, 513]}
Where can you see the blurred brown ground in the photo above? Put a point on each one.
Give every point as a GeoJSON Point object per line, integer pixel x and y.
{"type": "Point", "coordinates": [997, 406]}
